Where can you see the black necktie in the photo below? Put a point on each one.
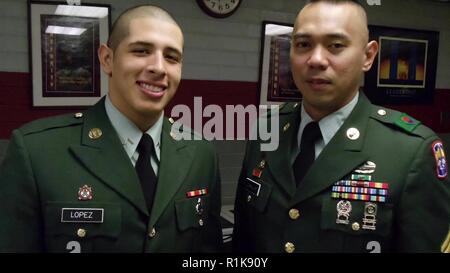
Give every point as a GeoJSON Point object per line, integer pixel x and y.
{"type": "Point", "coordinates": [145, 171]}
{"type": "Point", "coordinates": [306, 157]}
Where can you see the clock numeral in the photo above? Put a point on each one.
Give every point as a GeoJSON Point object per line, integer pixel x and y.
{"type": "Point", "coordinates": [219, 8]}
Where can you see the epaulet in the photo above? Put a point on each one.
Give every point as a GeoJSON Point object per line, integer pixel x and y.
{"type": "Point", "coordinates": [401, 121]}
{"type": "Point", "coordinates": [44, 124]}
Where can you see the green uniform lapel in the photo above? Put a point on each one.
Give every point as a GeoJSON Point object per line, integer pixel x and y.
{"type": "Point", "coordinates": [176, 159]}
{"type": "Point", "coordinates": [341, 154]}
{"type": "Point", "coordinates": [289, 121]}
{"type": "Point", "coordinates": [106, 158]}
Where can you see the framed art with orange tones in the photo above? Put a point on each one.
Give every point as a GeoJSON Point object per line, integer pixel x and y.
{"type": "Point", "coordinates": [404, 71]}
{"type": "Point", "coordinates": [276, 82]}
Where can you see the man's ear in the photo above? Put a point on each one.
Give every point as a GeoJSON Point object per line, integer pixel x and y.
{"type": "Point", "coordinates": [105, 57]}
{"type": "Point", "coordinates": [371, 52]}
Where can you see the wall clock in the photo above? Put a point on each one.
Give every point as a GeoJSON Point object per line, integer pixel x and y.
{"type": "Point", "coordinates": [219, 8]}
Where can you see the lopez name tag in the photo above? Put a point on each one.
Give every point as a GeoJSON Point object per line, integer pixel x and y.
{"type": "Point", "coordinates": [82, 215]}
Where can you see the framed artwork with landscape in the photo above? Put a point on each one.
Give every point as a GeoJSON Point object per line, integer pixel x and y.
{"type": "Point", "coordinates": [64, 40]}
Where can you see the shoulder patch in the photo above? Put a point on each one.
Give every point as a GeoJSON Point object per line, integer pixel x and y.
{"type": "Point", "coordinates": [407, 123]}
{"type": "Point", "coordinates": [441, 162]}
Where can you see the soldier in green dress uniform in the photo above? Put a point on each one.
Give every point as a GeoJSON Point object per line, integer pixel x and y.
{"type": "Point", "coordinates": [348, 176]}
{"type": "Point", "coordinates": [69, 183]}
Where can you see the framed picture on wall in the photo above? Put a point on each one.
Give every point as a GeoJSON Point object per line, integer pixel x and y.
{"type": "Point", "coordinates": [64, 39]}
{"type": "Point", "coordinates": [404, 71]}
{"type": "Point", "coordinates": [276, 82]}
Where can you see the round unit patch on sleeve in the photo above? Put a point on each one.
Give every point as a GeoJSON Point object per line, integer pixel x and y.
{"type": "Point", "coordinates": [441, 162]}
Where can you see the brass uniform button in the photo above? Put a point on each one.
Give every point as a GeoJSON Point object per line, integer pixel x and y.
{"type": "Point", "coordinates": [289, 247]}
{"type": "Point", "coordinates": [249, 198]}
{"type": "Point", "coordinates": [152, 233]}
{"type": "Point", "coordinates": [81, 232]}
{"type": "Point", "coordinates": [200, 222]}
{"type": "Point", "coordinates": [355, 226]}
{"type": "Point", "coordinates": [95, 133]}
{"type": "Point", "coordinates": [294, 214]}
{"type": "Point", "coordinates": [78, 115]}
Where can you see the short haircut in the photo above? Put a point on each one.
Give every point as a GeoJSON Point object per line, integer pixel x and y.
{"type": "Point", "coordinates": [336, 1]}
{"type": "Point", "coordinates": [352, 2]}
{"type": "Point", "coordinates": [121, 27]}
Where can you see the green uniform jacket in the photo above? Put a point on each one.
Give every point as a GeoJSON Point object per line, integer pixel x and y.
{"type": "Point", "coordinates": [50, 160]}
{"type": "Point", "coordinates": [279, 217]}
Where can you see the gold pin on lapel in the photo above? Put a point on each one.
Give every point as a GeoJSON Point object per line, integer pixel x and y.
{"type": "Point", "coordinates": [171, 120]}
{"type": "Point", "coordinates": [95, 133]}
{"type": "Point", "coordinates": [262, 164]}
{"type": "Point", "coordinates": [286, 127]}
